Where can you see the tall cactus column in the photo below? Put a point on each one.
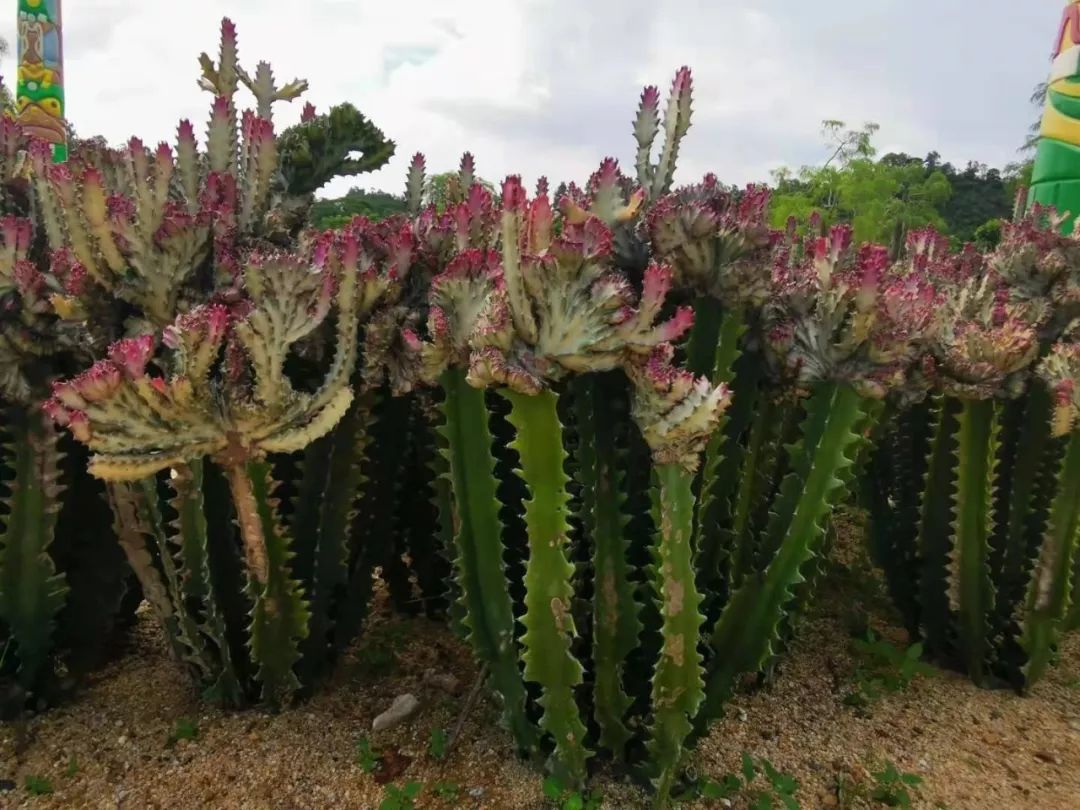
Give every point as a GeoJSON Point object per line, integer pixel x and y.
{"type": "Point", "coordinates": [1055, 179]}
{"type": "Point", "coordinates": [39, 96]}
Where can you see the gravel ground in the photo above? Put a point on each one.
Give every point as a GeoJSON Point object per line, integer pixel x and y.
{"type": "Point", "coordinates": [111, 748]}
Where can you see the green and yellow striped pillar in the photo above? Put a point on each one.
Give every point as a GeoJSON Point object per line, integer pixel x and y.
{"type": "Point", "coordinates": [39, 94]}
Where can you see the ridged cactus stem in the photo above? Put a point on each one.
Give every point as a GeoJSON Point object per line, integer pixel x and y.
{"type": "Point", "coordinates": [678, 684]}
{"type": "Point", "coordinates": [1050, 587]}
{"type": "Point", "coordinates": [748, 628]}
{"type": "Point", "coordinates": [549, 623]}
{"type": "Point", "coordinates": [480, 569]}
{"type": "Point", "coordinates": [31, 592]}
{"type": "Point", "coordinates": [713, 510]}
{"type": "Point", "coordinates": [933, 534]}
{"type": "Point", "coordinates": [341, 485]}
{"type": "Point", "coordinates": [279, 620]}
{"type": "Point", "coordinates": [704, 337]}
{"type": "Point", "coordinates": [616, 625]}
{"type": "Point", "coordinates": [187, 484]}
{"type": "Point", "coordinates": [749, 491]}
{"type": "Point", "coordinates": [973, 520]}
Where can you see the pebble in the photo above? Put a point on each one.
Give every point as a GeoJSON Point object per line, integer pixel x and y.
{"type": "Point", "coordinates": [403, 707]}
{"type": "Point", "coordinates": [122, 740]}
{"type": "Point", "coordinates": [476, 792]}
{"type": "Point", "coordinates": [445, 681]}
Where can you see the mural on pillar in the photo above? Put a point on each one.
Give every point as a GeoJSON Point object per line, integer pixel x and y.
{"type": "Point", "coordinates": [1055, 179]}
{"type": "Point", "coordinates": [39, 98]}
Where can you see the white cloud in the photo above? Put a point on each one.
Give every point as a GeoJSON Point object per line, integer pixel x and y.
{"type": "Point", "coordinates": [550, 86]}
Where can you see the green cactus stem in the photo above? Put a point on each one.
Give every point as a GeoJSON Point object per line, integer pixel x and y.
{"type": "Point", "coordinates": [1030, 465]}
{"type": "Point", "coordinates": [616, 625]}
{"type": "Point", "coordinates": [279, 620]}
{"type": "Point", "coordinates": [722, 454]}
{"type": "Point", "coordinates": [933, 533]}
{"type": "Point", "coordinates": [1050, 587]}
{"type": "Point", "coordinates": [678, 685]}
{"type": "Point", "coordinates": [485, 598]}
{"type": "Point", "coordinates": [31, 592]}
{"type": "Point", "coordinates": [187, 484]}
{"type": "Point", "coordinates": [340, 485]}
{"type": "Point", "coordinates": [748, 628]}
{"type": "Point", "coordinates": [973, 521]}
{"type": "Point", "coordinates": [549, 624]}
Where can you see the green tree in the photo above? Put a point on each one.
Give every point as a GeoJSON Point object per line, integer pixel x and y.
{"type": "Point", "coordinates": [879, 198]}
{"type": "Point", "coordinates": [375, 205]}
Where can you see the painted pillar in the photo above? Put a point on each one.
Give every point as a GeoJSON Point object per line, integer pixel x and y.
{"type": "Point", "coordinates": [39, 96]}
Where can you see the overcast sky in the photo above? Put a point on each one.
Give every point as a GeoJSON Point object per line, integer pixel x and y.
{"type": "Point", "coordinates": [550, 86]}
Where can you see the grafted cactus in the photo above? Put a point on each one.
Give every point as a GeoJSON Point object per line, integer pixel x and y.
{"type": "Point", "coordinates": [227, 397]}
{"type": "Point", "coordinates": [61, 586]}
{"type": "Point", "coordinates": [972, 498]}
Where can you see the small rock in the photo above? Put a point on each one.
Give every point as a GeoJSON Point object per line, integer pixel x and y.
{"type": "Point", "coordinates": [403, 707]}
{"type": "Point", "coordinates": [1047, 756]}
{"type": "Point", "coordinates": [122, 739]}
{"type": "Point", "coordinates": [476, 792]}
{"type": "Point", "coordinates": [742, 715]}
{"type": "Point", "coordinates": [445, 681]}
{"type": "Point", "coordinates": [1074, 725]}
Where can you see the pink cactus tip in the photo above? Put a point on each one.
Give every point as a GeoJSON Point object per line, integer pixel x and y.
{"type": "Point", "coordinates": [228, 29]}
{"type": "Point", "coordinates": [65, 392]}
{"type": "Point", "coordinates": [185, 131]}
{"type": "Point", "coordinates": [219, 110]}
{"type": "Point", "coordinates": [542, 186]}
{"type": "Point", "coordinates": [79, 425]}
{"type": "Point", "coordinates": [54, 409]}
{"type": "Point", "coordinates": [308, 113]}
{"type": "Point", "coordinates": [28, 280]}
{"type": "Point", "coordinates": [678, 325]}
{"type": "Point", "coordinates": [164, 153]}
{"type": "Point", "coordinates": [132, 354]}
{"type": "Point", "coordinates": [468, 164]}
{"type": "Point", "coordinates": [98, 382]}
{"type": "Point", "coordinates": [650, 97]}
{"type": "Point", "coordinates": [683, 81]}
{"type": "Point", "coordinates": [513, 194]}
{"type": "Point", "coordinates": [417, 163]}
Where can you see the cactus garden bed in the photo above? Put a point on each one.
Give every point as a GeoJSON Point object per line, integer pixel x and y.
{"type": "Point", "coordinates": [115, 745]}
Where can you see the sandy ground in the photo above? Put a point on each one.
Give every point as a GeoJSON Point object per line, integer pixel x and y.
{"type": "Point", "coordinates": [110, 748]}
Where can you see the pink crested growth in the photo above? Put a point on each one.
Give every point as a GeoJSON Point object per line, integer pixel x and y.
{"type": "Point", "coordinates": [308, 113]}
{"type": "Point", "coordinates": [542, 186]}
{"type": "Point", "coordinates": [98, 382]}
{"type": "Point", "coordinates": [68, 271]}
{"type": "Point", "coordinates": [132, 354]}
{"type": "Point", "coordinates": [28, 279]}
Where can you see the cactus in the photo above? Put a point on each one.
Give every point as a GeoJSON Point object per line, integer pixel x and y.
{"type": "Point", "coordinates": [975, 513]}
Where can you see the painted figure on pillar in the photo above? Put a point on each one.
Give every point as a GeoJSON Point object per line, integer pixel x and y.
{"type": "Point", "coordinates": [39, 98]}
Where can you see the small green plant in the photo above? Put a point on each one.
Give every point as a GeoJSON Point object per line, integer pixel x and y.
{"type": "Point", "coordinates": [437, 743]}
{"type": "Point", "coordinates": [401, 798]}
{"type": "Point", "coordinates": [38, 786]}
{"type": "Point", "coordinates": [446, 791]}
{"type": "Point", "coordinates": [891, 786]}
{"type": "Point", "coordinates": [778, 792]}
{"type": "Point", "coordinates": [366, 757]}
{"type": "Point", "coordinates": [185, 729]}
{"type": "Point", "coordinates": [72, 767]}
{"type": "Point", "coordinates": [884, 669]}
{"type": "Point", "coordinates": [566, 799]}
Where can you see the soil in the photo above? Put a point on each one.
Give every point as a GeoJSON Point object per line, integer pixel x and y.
{"type": "Point", "coordinates": [973, 748]}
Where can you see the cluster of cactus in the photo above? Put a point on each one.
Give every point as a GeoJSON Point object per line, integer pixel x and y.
{"type": "Point", "coordinates": [603, 431]}
{"type": "Point", "coordinates": [242, 471]}
{"type": "Point", "coordinates": [638, 520]}
{"type": "Point", "coordinates": [64, 585]}
{"type": "Point", "coordinates": [972, 489]}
